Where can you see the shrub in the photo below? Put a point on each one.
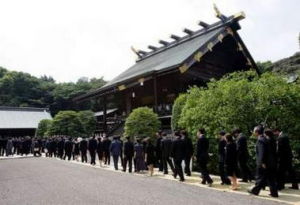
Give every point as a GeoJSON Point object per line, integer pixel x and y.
{"type": "Point", "coordinates": [43, 127]}
{"type": "Point", "coordinates": [177, 109]}
{"type": "Point", "coordinates": [142, 122]}
{"type": "Point", "coordinates": [88, 122]}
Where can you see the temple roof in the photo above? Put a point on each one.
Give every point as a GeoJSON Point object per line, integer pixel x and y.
{"type": "Point", "coordinates": [175, 53]}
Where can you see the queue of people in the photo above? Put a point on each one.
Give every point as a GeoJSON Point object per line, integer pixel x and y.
{"type": "Point", "coordinates": [273, 155]}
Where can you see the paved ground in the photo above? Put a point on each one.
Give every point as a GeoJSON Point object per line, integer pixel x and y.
{"type": "Point", "coordinates": [50, 181]}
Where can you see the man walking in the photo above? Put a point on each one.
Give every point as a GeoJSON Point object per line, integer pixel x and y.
{"type": "Point", "coordinates": [166, 148]}
{"type": "Point", "coordinates": [115, 150]}
{"type": "Point", "coordinates": [128, 155]}
{"type": "Point", "coordinates": [202, 156]}
{"type": "Point", "coordinates": [158, 151]}
{"type": "Point", "coordinates": [243, 155]}
{"type": "Point", "coordinates": [189, 151]}
{"type": "Point", "coordinates": [285, 158]}
{"type": "Point", "coordinates": [92, 150]}
{"type": "Point", "coordinates": [83, 150]}
{"type": "Point", "coordinates": [264, 164]}
{"type": "Point", "coordinates": [68, 149]}
{"type": "Point", "coordinates": [178, 154]}
{"type": "Point", "coordinates": [221, 152]}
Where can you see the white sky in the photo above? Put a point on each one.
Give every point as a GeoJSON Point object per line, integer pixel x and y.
{"type": "Point", "coordinates": [68, 39]}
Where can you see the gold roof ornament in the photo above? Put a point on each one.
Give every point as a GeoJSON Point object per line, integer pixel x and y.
{"type": "Point", "coordinates": [121, 87]}
{"type": "Point", "coordinates": [183, 68]}
{"type": "Point", "coordinates": [210, 46]}
{"type": "Point", "coordinates": [197, 56]}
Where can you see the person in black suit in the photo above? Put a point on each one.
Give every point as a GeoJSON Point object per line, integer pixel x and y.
{"type": "Point", "coordinates": [60, 148]}
{"type": "Point", "coordinates": [158, 151]}
{"type": "Point", "coordinates": [221, 152]}
{"type": "Point", "coordinates": [128, 155]}
{"type": "Point", "coordinates": [178, 154]}
{"type": "Point", "coordinates": [166, 148]}
{"type": "Point", "coordinates": [231, 160]}
{"type": "Point", "coordinates": [106, 145]}
{"type": "Point", "coordinates": [83, 145]}
{"type": "Point", "coordinates": [150, 156]}
{"type": "Point", "coordinates": [264, 164]}
{"type": "Point", "coordinates": [285, 158]}
{"type": "Point", "coordinates": [202, 156]}
{"type": "Point", "coordinates": [92, 145]}
{"type": "Point", "coordinates": [243, 155]}
{"type": "Point", "coordinates": [189, 148]}
{"type": "Point", "coordinates": [68, 149]}
{"type": "Point", "coordinates": [100, 151]}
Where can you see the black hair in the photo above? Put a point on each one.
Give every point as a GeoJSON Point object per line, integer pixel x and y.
{"type": "Point", "coordinates": [259, 129]}
{"type": "Point", "coordinates": [229, 138]}
{"type": "Point", "coordinates": [202, 130]}
{"type": "Point", "coordinates": [222, 133]}
{"type": "Point", "coordinates": [269, 133]}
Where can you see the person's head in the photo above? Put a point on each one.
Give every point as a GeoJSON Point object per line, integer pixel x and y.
{"type": "Point", "coordinates": [269, 133]}
{"type": "Point", "coordinates": [164, 135]}
{"type": "Point", "coordinates": [138, 140]}
{"type": "Point", "coordinates": [258, 131]}
{"type": "Point", "coordinates": [177, 134]}
{"type": "Point", "coordinates": [201, 131]}
{"type": "Point", "coordinates": [222, 133]}
{"type": "Point", "coordinates": [276, 131]}
{"type": "Point", "coordinates": [236, 132]}
{"type": "Point", "coordinates": [70, 138]}
{"type": "Point", "coordinates": [184, 133]}
{"type": "Point", "coordinates": [229, 138]}
{"type": "Point", "coordinates": [159, 133]}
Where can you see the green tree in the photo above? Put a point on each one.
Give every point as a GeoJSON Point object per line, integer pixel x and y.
{"type": "Point", "coordinates": [67, 123]}
{"type": "Point", "coordinates": [142, 122]}
{"type": "Point", "coordinates": [43, 127]}
{"type": "Point", "coordinates": [177, 109]}
{"type": "Point", "coordinates": [243, 100]}
{"type": "Point", "coordinates": [88, 122]}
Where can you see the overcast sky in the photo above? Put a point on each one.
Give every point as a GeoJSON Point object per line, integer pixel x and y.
{"type": "Point", "coordinates": [68, 39]}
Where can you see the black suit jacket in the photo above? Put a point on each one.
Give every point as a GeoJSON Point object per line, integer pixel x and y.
{"type": "Point", "coordinates": [242, 146]}
{"type": "Point", "coordinates": [284, 149]}
{"type": "Point", "coordinates": [166, 147]}
{"type": "Point", "coordinates": [92, 145]}
{"type": "Point", "coordinates": [178, 149]}
{"type": "Point", "coordinates": [202, 148]}
{"type": "Point", "coordinates": [189, 148]}
{"type": "Point", "coordinates": [129, 149]}
{"type": "Point", "coordinates": [83, 145]}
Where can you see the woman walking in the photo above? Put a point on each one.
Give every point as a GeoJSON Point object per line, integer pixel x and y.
{"type": "Point", "coordinates": [100, 151]}
{"type": "Point", "coordinates": [150, 156]}
{"type": "Point", "coordinates": [139, 156]}
{"type": "Point", "coordinates": [231, 160]}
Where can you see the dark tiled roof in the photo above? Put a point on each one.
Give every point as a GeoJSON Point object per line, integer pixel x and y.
{"type": "Point", "coordinates": [171, 55]}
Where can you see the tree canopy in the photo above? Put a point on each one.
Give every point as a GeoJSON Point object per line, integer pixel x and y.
{"type": "Point", "coordinates": [24, 90]}
{"type": "Point", "coordinates": [243, 99]}
{"type": "Point", "coordinates": [142, 122]}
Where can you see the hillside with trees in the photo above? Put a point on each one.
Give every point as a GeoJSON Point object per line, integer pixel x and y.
{"type": "Point", "coordinates": [24, 90]}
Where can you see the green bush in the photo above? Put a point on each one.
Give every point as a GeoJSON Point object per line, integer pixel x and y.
{"type": "Point", "coordinates": [177, 109]}
{"type": "Point", "coordinates": [243, 100]}
{"type": "Point", "coordinates": [142, 122]}
{"type": "Point", "coordinates": [67, 123]}
{"type": "Point", "coordinates": [43, 127]}
{"type": "Point", "coordinates": [88, 122]}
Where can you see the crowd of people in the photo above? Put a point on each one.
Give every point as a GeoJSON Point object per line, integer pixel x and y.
{"type": "Point", "coordinates": [273, 155]}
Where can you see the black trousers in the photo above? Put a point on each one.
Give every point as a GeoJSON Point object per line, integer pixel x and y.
{"type": "Point", "coordinates": [178, 169]}
{"type": "Point", "coordinates": [204, 172]}
{"type": "Point", "coordinates": [60, 154]}
{"type": "Point", "coordinates": [69, 155]}
{"type": "Point", "coordinates": [106, 157]}
{"type": "Point", "coordinates": [166, 161]}
{"type": "Point", "coordinates": [223, 175]}
{"type": "Point", "coordinates": [246, 173]}
{"type": "Point", "coordinates": [127, 160]}
{"type": "Point", "coordinates": [116, 160]}
{"type": "Point", "coordinates": [283, 169]}
{"type": "Point", "coordinates": [83, 156]}
{"type": "Point", "coordinates": [264, 177]}
{"type": "Point", "coordinates": [160, 163]}
{"type": "Point", "coordinates": [187, 169]}
{"type": "Point", "coordinates": [93, 156]}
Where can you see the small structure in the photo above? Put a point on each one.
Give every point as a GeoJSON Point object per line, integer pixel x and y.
{"type": "Point", "coordinates": [161, 73]}
{"type": "Point", "coordinates": [21, 121]}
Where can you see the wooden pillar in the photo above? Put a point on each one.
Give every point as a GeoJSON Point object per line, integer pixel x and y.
{"type": "Point", "coordinates": [104, 115]}
{"type": "Point", "coordinates": [155, 93]}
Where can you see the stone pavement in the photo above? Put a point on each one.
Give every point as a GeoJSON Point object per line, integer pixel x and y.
{"type": "Point", "coordinates": [288, 196]}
